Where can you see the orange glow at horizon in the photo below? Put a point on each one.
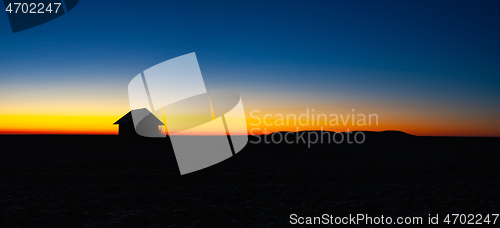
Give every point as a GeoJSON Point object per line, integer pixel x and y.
{"type": "Point", "coordinates": [422, 122]}
{"type": "Point", "coordinates": [418, 123]}
{"type": "Point", "coordinates": [103, 125]}
{"type": "Point", "coordinates": [94, 125]}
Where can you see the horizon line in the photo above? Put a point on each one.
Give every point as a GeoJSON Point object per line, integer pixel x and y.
{"type": "Point", "coordinates": [116, 134]}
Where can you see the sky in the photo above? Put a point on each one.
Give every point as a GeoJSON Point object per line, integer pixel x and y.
{"type": "Point", "coordinates": [423, 67]}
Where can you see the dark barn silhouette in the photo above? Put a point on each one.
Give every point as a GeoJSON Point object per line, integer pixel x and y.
{"type": "Point", "coordinates": [126, 124]}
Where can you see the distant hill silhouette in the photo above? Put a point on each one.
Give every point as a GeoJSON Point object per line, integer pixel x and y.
{"type": "Point", "coordinates": [386, 132]}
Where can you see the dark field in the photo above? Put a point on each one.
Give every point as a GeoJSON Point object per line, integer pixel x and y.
{"type": "Point", "coordinates": [102, 181]}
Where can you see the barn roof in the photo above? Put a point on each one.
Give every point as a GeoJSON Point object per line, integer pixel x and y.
{"type": "Point", "coordinates": [128, 117]}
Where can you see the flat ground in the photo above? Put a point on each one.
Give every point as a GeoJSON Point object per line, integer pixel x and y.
{"type": "Point", "coordinates": [102, 181]}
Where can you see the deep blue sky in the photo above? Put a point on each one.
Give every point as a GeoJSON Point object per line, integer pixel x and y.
{"type": "Point", "coordinates": [424, 52]}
